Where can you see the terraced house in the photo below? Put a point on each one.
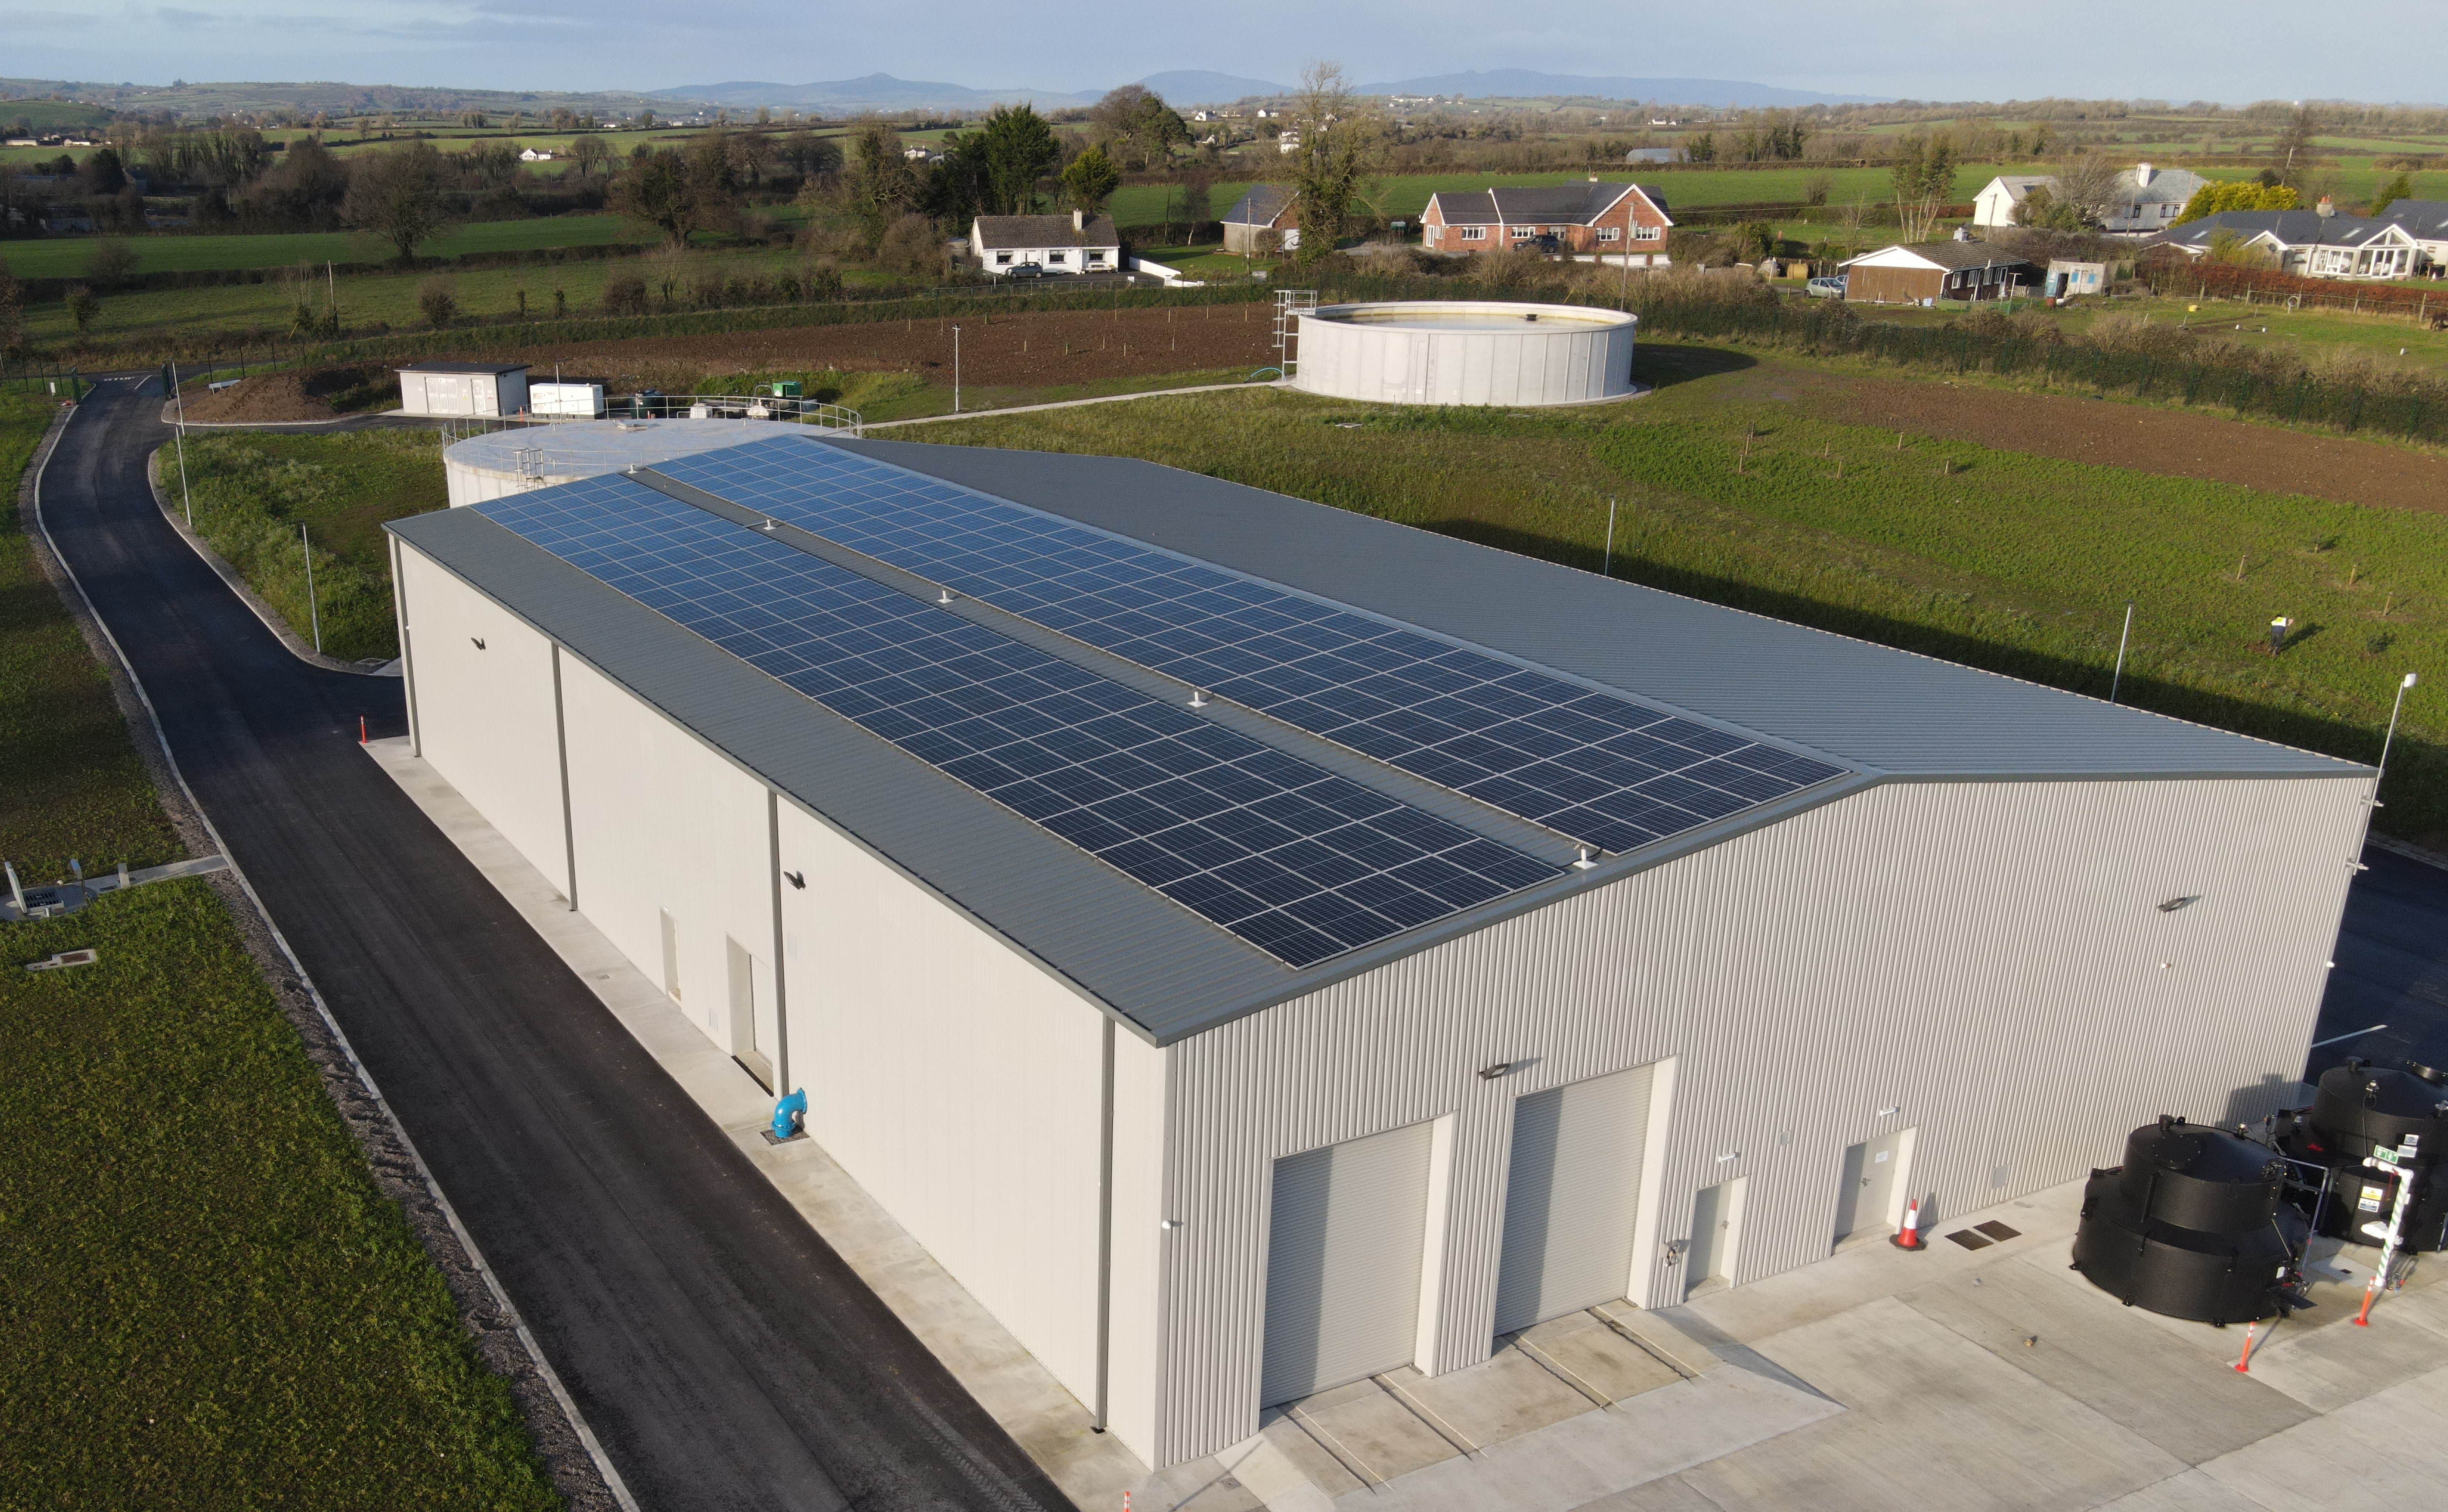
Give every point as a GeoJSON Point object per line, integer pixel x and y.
{"type": "Point", "coordinates": [1595, 216]}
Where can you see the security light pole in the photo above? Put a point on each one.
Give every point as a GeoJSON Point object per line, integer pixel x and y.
{"type": "Point", "coordinates": [2390, 739]}
{"type": "Point", "coordinates": [313, 609]}
{"type": "Point", "coordinates": [2118, 681]}
{"type": "Point", "coordinates": [1607, 569]}
{"type": "Point", "coordinates": [956, 370]}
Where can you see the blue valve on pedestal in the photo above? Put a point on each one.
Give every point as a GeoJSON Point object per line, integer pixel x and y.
{"type": "Point", "coordinates": [791, 1114]}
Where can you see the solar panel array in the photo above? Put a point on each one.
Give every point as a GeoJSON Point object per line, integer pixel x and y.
{"type": "Point", "coordinates": [1301, 863]}
{"type": "Point", "coordinates": [1603, 768]}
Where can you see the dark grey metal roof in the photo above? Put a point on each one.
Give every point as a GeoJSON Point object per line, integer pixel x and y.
{"type": "Point", "coordinates": [464, 367]}
{"type": "Point", "coordinates": [2293, 228]}
{"type": "Point", "coordinates": [1262, 207]}
{"type": "Point", "coordinates": [1163, 971]}
{"type": "Point", "coordinates": [1045, 231]}
{"type": "Point", "coordinates": [1901, 714]}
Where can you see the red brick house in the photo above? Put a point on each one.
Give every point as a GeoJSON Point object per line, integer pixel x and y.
{"type": "Point", "coordinates": [1592, 216]}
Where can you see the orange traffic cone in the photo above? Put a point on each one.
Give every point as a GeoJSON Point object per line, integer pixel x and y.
{"type": "Point", "coordinates": [2244, 1362]}
{"type": "Point", "coordinates": [1908, 1237]}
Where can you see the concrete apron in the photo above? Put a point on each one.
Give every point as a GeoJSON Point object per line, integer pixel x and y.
{"type": "Point", "coordinates": [1996, 1372]}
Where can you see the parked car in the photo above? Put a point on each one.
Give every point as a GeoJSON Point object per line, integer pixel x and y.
{"type": "Point", "coordinates": [1827, 286]}
{"type": "Point", "coordinates": [1023, 270]}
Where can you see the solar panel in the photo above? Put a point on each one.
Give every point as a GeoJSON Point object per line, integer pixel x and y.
{"type": "Point", "coordinates": [1603, 768]}
{"type": "Point", "coordinates": [1301, 863]}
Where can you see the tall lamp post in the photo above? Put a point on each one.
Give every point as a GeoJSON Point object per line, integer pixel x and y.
{"type": "Point", "coordinates": [956, 370]}
{"type": "Point", "coordinates": [2380, 772]}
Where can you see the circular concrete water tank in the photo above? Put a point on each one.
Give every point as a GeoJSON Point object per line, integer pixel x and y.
{"type": "Point", "coordinates": [1465, 352]}
{"type": "Point", "coordinates": [502, 462]}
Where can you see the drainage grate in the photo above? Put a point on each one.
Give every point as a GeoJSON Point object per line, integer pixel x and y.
{"type": "Point", "coordinates": [1969, 1240]}
{"type": "Point", "coordinates": [1998, 1232]}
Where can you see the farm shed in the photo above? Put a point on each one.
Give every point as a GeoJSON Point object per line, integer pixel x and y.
{"type": "Point", "coordinates": [463, 388]}
{"type": "Point", "coordinates": [1261, 222]}
{"type": "Point", "coordinates": [1923, 271]}
{"type": "Point", "coordinates": [1255, 946]}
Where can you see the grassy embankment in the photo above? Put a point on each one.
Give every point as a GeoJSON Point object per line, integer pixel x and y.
{"type": "Point", "coordinates": [2001, 560]}
{"type": "Point", "coordinates": [252, 490]}
{"type": "Point", "coordinates": [209, 1301]}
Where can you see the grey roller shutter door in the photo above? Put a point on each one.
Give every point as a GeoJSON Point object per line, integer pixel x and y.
{"type": "Point", "coordinates": [1343, 1262]}
{"type": "Point", "coordinates": [1570, 1197]}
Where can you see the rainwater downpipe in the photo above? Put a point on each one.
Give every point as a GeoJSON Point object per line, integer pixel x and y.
{"type": "Point", "coordinates": [1105, 1236]}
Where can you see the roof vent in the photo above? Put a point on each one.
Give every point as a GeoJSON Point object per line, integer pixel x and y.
{"type": "Point", "coordinates": [943, 595]}
{"type": "Point", "coordinates": [1198, 699]}
{"type": "Point", "coordinates": [2328, 206]}
{"type": "Point", "coordinates": [1582, 862]}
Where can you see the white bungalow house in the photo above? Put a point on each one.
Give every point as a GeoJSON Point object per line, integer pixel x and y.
{"type": "Point", "coordinates": [2426, 221]}
{"type": "Point", "coordinates": [2317, 243]}
{"type": "Point", "coordinates": [531, 155]}
{"type": "Point", "coordinates": [2149, 199]}
{"type": "Point", "coordinates": [1075, 243]}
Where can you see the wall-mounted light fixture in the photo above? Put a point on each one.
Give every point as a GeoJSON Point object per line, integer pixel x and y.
{"type": "Point", "coordinates": [2173, 904]}
{"type": "Point", "coordinates": [1169, 1224]}
{"type": "Point", "coordinates": [1490, 1073]}
{"type": "Point", "coordinates": [1729, 1154]}
{"type": "Point", "coordinates": [1889, 1113]}
{"type": "Point", "coordinates": [798, 879]}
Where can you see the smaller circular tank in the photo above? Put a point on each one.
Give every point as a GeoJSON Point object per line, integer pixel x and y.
{"type": "Point", "coordinates": [506, 462]}
{"type": "Point", "coordinates": [2357, 1108]}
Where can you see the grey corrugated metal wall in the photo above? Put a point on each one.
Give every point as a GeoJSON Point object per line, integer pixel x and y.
{"type": "Point", "coordinates": [1988, 960]}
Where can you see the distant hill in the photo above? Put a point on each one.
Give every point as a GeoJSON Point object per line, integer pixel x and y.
{"type": "Point", "coordinates": [877, 91]}
{"type": "Point", "coordinates": [339, 98]}
{"type": "Point", "coordinates": [1523, 84]}
{"type": "Point", "coordinates": [1196, 86]}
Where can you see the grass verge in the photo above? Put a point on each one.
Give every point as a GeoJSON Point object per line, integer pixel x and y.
{"type": "Point", "coordinates": [210, 1304]}
{"type": "Point", "coordinates": [252, 490]}
{"type": "Point", "coordinates": [2000, 560]}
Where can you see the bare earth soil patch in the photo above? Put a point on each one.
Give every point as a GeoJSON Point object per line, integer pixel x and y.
{"type": "Point", "coordinates": [268, 397]}
{"type": "Point", "coordinates": [1035, 350]}
{"type": "Point", "coordinates": [2170, 443]}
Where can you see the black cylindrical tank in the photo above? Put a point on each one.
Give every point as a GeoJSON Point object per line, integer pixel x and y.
{"type": "Point", "coordinates": [2356, 1108]}
{"type": "Point", "coordinates": [2196, 1177]}
{"type": "Point", "coordinates": [2191, 1226]}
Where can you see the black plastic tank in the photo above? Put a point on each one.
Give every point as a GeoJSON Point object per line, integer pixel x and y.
{"type": "Point", "coordinates": [2359, 1107]}
{"type": "Point", "coordinates": [2191, 1226]}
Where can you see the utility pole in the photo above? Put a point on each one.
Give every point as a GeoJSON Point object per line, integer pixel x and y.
{"type": "Point", "coordinates": [956, 370]}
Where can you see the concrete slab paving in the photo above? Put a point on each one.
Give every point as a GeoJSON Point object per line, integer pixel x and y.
{"type": "Point", "coordinates": [1597, 1454]}
{"type": "Point", "coordinates": [1316, 1464]}
{"type": "Point", "coordinates": [1369, 1429]}
{"type": "Point", "coordinates": [2388, 1448]}
{"type": "Point", "coordinates": [1509, 1395]}
{"type": "Point", "coordinates": [1927, 1407]}
{"type": "Point", "coordinates": [2082, 1345]}
{"type": "Point", "coordinates": [1605, 1362]}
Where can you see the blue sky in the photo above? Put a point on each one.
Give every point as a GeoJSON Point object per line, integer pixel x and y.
{"type": "Point", "coordinates": [2237, 51]}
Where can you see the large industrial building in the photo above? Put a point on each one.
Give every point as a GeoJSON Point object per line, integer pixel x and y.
{"type": "Point", "coordinates": [1255, 946]}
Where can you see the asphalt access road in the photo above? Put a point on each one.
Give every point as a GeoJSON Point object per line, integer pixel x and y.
{"type": "Point", "coordinates": [2392, 968]}
{"type": "Point", "coordinates": [722, 1353]}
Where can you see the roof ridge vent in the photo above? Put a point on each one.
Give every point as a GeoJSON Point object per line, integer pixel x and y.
{"type": "Point", "coordinates": [943, 595]}
{"type": "Point", "coordinates": [1582, 862]}
{"type": "Point", "coordinates": [1198, 699]}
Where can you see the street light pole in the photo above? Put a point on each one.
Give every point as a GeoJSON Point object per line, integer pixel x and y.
{"type": "Point", "coordinates": [314, 607]}
{"type": "Point", "coordinates": [956, 370]}
{"type": "Point", "coordinates": [1607, 569]}
{"type": "Point", "coordinates": [2390, 739]}
{"type": "Point", "coordinates": [187, 500]}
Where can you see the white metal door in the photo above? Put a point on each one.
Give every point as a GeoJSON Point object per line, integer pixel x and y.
{"type": "Point", "coordinates": [1867, 1199]}
{"type": "Point", "coordinates": [1717, 1230]}
{"type": "Point", "coordinates": [1570, 1198]}
{"type": "Point", "coordinates": [1343, 1262]}
{"type": "Point", "coordinates": [742, 967]}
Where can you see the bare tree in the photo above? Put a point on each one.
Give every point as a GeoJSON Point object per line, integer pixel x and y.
{"type": "Point", "coordinates": [398, 196]}
{"type": "Point", "coordinates": [2090, 183]}
{"type": "Point", "coordinates": [1340, 138]}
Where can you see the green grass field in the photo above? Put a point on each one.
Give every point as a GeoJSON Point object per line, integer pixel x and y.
{"type": "Point", "coordinates": [252, 490]}
{"type": "Point", "coordinates": [66, 257]}
{"type": "Point", "coordinates": [388, 296]}
{"type": "Point", "coordinates": [209, 1302]}
{"type": "Point", "coordinates": [2007, 560]}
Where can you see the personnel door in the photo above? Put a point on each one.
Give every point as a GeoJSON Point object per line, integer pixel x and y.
{"type": "Point", "coordinates": [1866, 1200]}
